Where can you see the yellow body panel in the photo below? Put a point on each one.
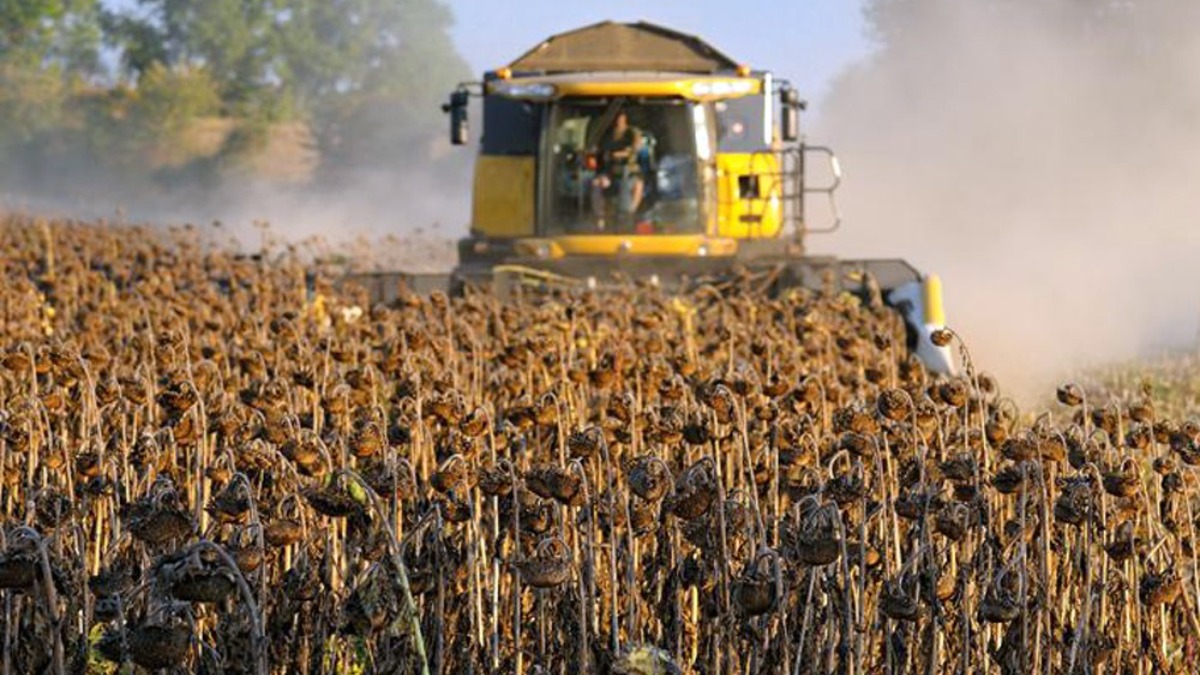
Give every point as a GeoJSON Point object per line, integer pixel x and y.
{"type": "Point", "coordinates": [503, 199]}
{"type": "Point", "coordinates": [614, 245]}
{"type": "Point", "coordinates": [935, 313]}
{"type": "Point", "coordinates": [692, 88]}
{"type": "Point", "coordinates": [752, 217]}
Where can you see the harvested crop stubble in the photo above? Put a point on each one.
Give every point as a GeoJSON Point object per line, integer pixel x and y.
{"type": "Point", "coordinates": [209, 467]}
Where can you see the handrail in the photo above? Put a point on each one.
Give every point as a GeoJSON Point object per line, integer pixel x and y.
{"type": "Point", "coordinates": [835, 168]}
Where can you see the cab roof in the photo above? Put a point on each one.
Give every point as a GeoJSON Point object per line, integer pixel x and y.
{"type": "Point", "coordinates": [623, 47]}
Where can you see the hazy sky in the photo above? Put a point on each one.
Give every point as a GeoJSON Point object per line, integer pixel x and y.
{"type": "Point", "coordinates": [806, 41]}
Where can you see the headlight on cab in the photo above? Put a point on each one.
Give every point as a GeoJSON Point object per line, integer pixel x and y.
{"type": "Point", "coordinates": [534, 91]}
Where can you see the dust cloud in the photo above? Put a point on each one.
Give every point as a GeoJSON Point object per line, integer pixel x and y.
{"type": "Point", "coordinates": [386, 220]}
{"type": "Point", "coordinates": [1044, 159]}
{"type": "Point", "coordinates": [405, 214]}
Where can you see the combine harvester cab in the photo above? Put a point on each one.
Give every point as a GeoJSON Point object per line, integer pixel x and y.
{"type": "Point", "coordinates": [634, 151]}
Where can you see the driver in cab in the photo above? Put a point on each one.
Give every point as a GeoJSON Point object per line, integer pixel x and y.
{"type": "Point", "coordinates": [618, 167]}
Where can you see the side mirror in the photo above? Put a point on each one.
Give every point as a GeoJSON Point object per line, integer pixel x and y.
{"type": "Point", "coordinates": [457, 107]}
{"type": "Point", "coordinates": [789, 118]}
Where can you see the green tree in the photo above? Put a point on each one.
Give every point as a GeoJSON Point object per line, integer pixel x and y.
{"type": "Point", "coordinates": [42, 33]}
{"type": "Point", "coordinates": [370, 73]}
{"type": "Point", "coordinates": [168, 98]}
{"type": "Point", "coordinates": [26, 24]}
{"type": "Point", "coordinates": [32, 102]}
{"type": "Point", "coordinates": [231, 39]}
{"type": "Point", "coordinates": [360, 71]}
{"type": "Point", "coordinates": [331, 49]}
{"type": "Point", "coordinates": [45, 47]}
{"type": "Point", "coordinates": [78, 36]}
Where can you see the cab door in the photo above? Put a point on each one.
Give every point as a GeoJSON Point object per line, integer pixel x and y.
{"type": "Point", "coordinates": [504, 194]}
{"type": "Point", "coordinates": [750, 180]}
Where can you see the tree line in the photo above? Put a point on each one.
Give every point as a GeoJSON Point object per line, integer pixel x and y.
{"type": "Point", "coordinates": [164, 88]}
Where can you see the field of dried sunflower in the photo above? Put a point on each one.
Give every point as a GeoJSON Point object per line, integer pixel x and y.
{"type": "Point", "coordinates": [1171, 379]}
{"type": "Point", "coordinates": [217, 464]}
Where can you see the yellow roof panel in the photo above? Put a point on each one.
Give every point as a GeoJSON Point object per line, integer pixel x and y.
{"type": "Point", "coordinates": [698, 88]}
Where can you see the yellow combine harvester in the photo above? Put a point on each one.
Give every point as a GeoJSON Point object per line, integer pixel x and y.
{"type": "Point", "coordinates": [632, 150]}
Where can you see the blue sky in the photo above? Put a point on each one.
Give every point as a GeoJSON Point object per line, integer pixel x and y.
{"type": "Point", "coordinates": [806, 41]}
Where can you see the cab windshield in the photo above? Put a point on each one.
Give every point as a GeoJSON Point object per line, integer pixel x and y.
{"type": "Point", "coordinates": [620, 166]}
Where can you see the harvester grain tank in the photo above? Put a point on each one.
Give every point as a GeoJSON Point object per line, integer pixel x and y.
{"type": "Point", "coordinates": [632, 150]}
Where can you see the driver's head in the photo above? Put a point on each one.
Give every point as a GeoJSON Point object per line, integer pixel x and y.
{"type": "Point", "coordinates": [621, 122]}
